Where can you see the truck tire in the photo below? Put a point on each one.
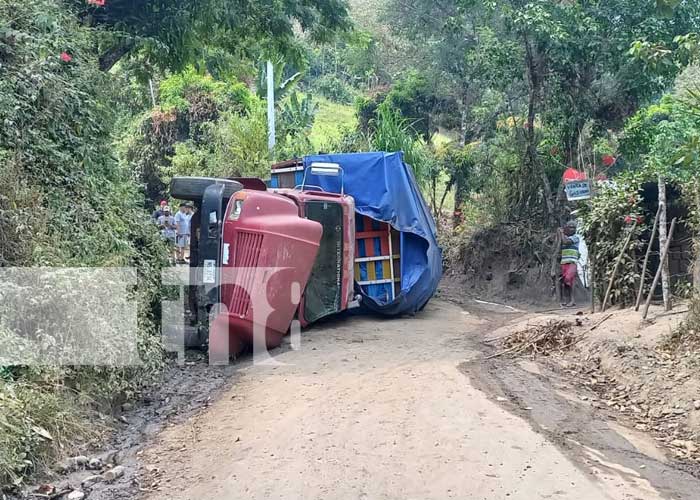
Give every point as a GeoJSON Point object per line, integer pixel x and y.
{"type": "Point", "coordinates": [192, 188]}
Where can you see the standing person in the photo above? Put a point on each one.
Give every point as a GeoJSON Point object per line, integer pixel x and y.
{"type": "Point", "coordinates": [157, 214]}
{"type": "Point", "coordinates": [569, 262]}
{"type": "Point", "coordinates": [166, 222]}
{"type": "Point", "coordinates": [182, 225]}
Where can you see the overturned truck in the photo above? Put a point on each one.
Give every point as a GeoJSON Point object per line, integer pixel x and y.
{"type": "Point", "coordinates": [330, 233]}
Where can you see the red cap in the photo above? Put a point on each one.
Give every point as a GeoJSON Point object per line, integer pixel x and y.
{"type": "Point", "coordinates": [163, 203]}
{"type": "Point", "coordinates": [571, 174]}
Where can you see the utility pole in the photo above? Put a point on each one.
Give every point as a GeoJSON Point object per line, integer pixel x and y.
{"type": "Point", "coordinates": [270, 107]}
{"type": "Point", "coordinates": [663, 236]}
{"type": "Point", "coordinates": [153, 94]}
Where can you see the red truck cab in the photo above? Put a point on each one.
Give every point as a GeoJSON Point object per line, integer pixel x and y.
{"type": "Point", "coordinates": [277, 254]}
{"type": "Point", "coordinates": [268, 252]}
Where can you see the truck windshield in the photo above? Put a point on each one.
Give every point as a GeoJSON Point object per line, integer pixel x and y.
{"type": "Point", "coordinates": [324, 289]}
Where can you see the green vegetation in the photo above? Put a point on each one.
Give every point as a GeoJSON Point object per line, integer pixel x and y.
{"type": "Point", "coordinates": [64, 201]}
{"type": "Point", "coordinates": [85, 152]}
{"type": "Point", "coordinates": [176, 33]}
{"type": "Point", "coordinates": [202, 127]}
{"type": "Point", "coordinates": [332, 120]}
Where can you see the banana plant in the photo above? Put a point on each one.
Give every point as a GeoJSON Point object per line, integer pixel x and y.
{"type": "Point", "coordinates": [283, 86]}
{"type": "Point", "coordinates": [297, 114]}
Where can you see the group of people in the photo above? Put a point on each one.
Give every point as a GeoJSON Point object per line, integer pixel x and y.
{"type": "Point", "coordinates": [176, 229]}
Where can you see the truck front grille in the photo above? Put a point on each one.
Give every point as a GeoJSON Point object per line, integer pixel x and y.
{"type": "Point", "coordinates": [248, 249]}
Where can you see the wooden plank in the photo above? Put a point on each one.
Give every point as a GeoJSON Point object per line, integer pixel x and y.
{"type": "Point", "coordinates": [646, 260]}
{"type": "Point", "coordinates": [364, 235]}
{"type": "Point", "coordinates": [659, 270]}
{"type": "Point", "coordinates": [617, 266]}
{"type": "Point", "coordinates": [665, 273]}
{"type": "Point", "coordinates": [378, 282]}
{"type": "Point", "coordinates": [380, 257]}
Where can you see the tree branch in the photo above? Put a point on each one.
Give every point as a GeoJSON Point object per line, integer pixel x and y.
{"type": "Point", "coordinates": [112, 56]}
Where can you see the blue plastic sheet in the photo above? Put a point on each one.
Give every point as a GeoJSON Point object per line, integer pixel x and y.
{"type": "Point", "coordinates": [385, 189]}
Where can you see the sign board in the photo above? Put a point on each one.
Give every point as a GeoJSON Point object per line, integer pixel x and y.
{"type": "Point", "coordinates": [578, 190]}
{"type": "Point", "coordinates": [209, 272]}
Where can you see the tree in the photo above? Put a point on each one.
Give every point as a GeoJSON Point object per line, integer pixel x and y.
{"type": "Point", "coordinates": [562, 70]}
{"type": "Point", "coordinates": [174, 33]}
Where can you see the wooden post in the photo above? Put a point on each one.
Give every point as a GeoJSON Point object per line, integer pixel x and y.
{"type": "Point", "coordinates": [617, 266]}
{"type": "Point", "coordinates": [591, 264]}
{"type": "Point", "coordinates": [642, 277]}
{"type": "Point", "coordinates": [696, 245]}
{"type": "Point", "coordinates": [664, 254]}
{"type": "Point", "coordinates": [663, 236]}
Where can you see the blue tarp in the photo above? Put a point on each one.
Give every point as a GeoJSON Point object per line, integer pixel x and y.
{"type": "Point", "coordinates": [385, 189]}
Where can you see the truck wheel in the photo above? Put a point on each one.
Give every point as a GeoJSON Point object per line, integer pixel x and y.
{"type": "Point", "coordinates": [192, 188]}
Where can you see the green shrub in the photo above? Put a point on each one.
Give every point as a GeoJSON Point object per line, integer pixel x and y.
{"type": "Point", "coordinates": [204, 127]}
{"type": "Point", "coordinates": [37, 420]}
{"type": "Point", "coordinates": [416, 101]}
{"type": "Point", "coordinates": [333, 88]}
{"type": "Point", "coordinates": [65, 201]}
{"type": "Point", "coordinates": [366, 109]}
{"type": "Point", "coordinates": [606, 223]}
{"type": "Point", "coordinates": [392, 132]}
{"type": "Point", "coordinates": [241, 144]}
{"type": "Point", "coordinates": [182, 91]}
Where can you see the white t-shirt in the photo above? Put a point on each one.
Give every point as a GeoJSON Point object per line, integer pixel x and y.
{"type": "Point", "coordinates": [182, 219]}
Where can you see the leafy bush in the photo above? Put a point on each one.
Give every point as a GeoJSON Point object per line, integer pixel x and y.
{"type": "Point", "coordinates": [65, 201]}
{"type": "Point", "coordinates": [366, 109]}
{"type": "Point", "coordinates": [20, 219]}
{"type": "Point", "coordinates": [606, 224]}
{"type": "Point", "coordinates": [203, 127]}
{"type": "Point", "coordinates": [297, 115]}
{"type": "Point", "coordinates": [415, 99]}
{"type": "Point", "coordinates": [241, 144]}
{"type": "Point", "coordinates": [392, 132]}
{"type": "Point", "coordinates": [181, 90]}
{"type": "Point", "coordinates": [333, 88]}
{"type": "Point", "coordinates": [35, 422]}
{"type": "Point", "coordinates": [295, 122]}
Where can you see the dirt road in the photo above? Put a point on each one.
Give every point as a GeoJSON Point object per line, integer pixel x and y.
{"type": "Point", "coordinates": [403, 409]}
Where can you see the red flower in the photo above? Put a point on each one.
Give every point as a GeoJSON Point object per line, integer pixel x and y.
{"type": "Point", "coordinates": [98, 3]}
{"type": "Point", "coordinates": [608, 160]}
{"type": "Point", "coordinates": [66, 57]}
{"type": "Point", "coordinates": [628, 219]}
{"type": "Point", "coordinates": [640, 219]}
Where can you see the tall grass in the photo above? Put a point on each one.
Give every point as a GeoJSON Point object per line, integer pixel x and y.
{"type": "Point", "coordinates": [393, 132]}
{"type": "Point", "coordinates": [332, 120]}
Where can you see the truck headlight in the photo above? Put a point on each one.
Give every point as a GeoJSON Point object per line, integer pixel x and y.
{"type": "Point", "coordinates": [236, 210]}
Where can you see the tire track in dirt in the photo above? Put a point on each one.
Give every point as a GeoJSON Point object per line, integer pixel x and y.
{"type": "Point", "coordinates": [375, 409]}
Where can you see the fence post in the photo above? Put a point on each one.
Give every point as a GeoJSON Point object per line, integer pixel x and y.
{"type": "Point", "coordinates": [664, 254]}
{"type": "Point", "coordinates": [642, 276]}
